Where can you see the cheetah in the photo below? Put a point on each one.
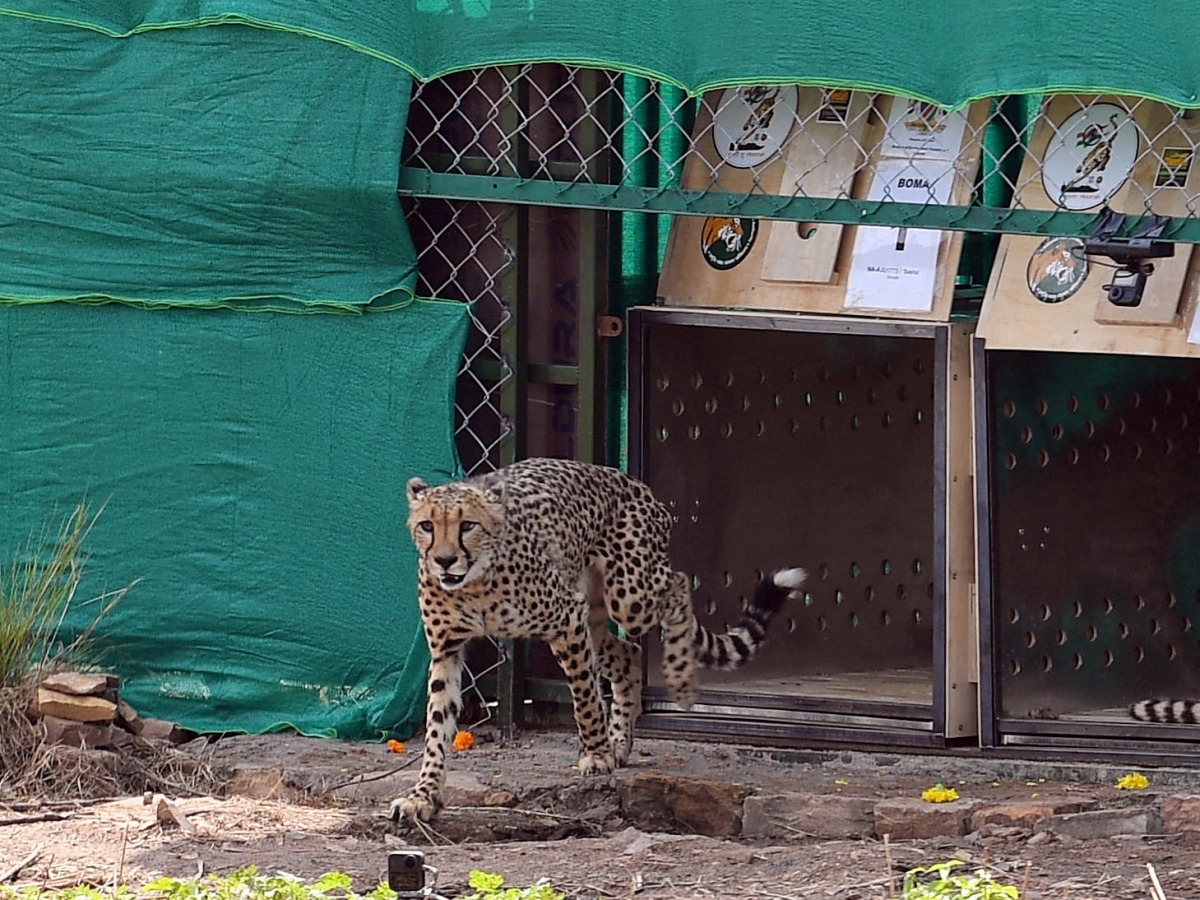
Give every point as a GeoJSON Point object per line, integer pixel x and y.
{"type": "Point", "coordinates": [554, 549]}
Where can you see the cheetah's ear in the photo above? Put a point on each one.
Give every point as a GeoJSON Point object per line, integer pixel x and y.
{"type": "Point", "coordinates": [495, 494]}
{"type": "Point", "coordinates": [414, 489]}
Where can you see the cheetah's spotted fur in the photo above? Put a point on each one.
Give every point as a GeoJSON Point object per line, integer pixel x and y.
{"type": "Point", "coordinates": [553, 549]}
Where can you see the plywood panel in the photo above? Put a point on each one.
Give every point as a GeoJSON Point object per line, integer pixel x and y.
{"type": "Point", "coordinates": [1082, 319]}
{"type": "Point", "coordinates": [689, 280]}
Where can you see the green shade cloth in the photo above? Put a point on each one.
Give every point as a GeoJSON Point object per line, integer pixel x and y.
{"type": "Point", "coordinates": [199, 166]}
{"type": "Point", "coordinates": [945, 52]}
{"type": "Point", "coordinates": [253, 468]}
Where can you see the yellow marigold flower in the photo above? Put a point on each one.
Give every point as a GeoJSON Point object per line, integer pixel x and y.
{"type": "Point", "coordinates": [464, 740]}
{"type": "Point", "coordinates": [939, 793]}
{"type": "Point", "coordinates": [1134, 781]}
{"type": "Point", "coordinates": [396, 746]}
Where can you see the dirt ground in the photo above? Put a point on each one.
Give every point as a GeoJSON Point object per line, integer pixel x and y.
{"type": "Point", "coordinates": [519, 810]}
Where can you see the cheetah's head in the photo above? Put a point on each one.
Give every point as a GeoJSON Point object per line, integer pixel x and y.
{"type": "Point", "coordinates": [455, 527]}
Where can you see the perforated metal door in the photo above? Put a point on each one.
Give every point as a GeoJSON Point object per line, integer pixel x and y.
{"type": "Point", "coordinates": [785, 440]}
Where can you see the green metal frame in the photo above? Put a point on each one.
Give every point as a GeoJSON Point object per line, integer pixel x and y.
{"type": "Point", "coordinates": [633, 198]}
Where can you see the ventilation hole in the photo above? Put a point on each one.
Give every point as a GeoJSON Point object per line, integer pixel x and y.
{"type": "Point", "coordinates": [1183, 421]}
{"type": "Point", "coordinates": [1102, 402]}
{"type": "Point", "coordinates": [1137, 450]}
{"type": "Point", "coordinates": [1135, 399]}
{"type": "Point", "coordinates": [886, 618]}
{"type": "Point", "coordinates": [918, 617]}
{"type": "Point", "coordinates": [823, 373]}
{"type": "Point", "coordinates": [1077, 608]}
{"type": "Point", "coordinates": [745, 402]}
{"type": "Point", "coordinates": [1009, 408]}
{"type": "Point", "coordinates": [822, 625]}
{"type": "Point", "coordinates": [886, 568]}
{"type": "Point", "coordinates": [1014, 667]}
{"type": "Point", "coordinates": [1010, 461]}
{"type": "Point", "coordinates": [808, 399]}
{"type": "Point", "coordinates": [663, 433]}
{"type": "Point", "coordinates": [1138, 602]}
{"type": "Point", "coordinates": [1105, 453]}
{"type": "Point", "coordinates": [1139, 655]}
{"type": "Point", "coordinates": [710, 405]}
{"type": "Point", "coordinates": [1047, 664]}
{"type": "Point", "coordinates": [1107, 658]}
{"type": "Point", "coordinates": [855, 570]}
{"type": "Point", "coordinates": [902, 393]}
{"type": "Point", "coordinates": [919, 366]}
{"type": "Point", "coordinates": [838, 596]}
{"type": "Point", "coordinates": [791, 626]}
{"type": "Point", "coordinates": [917, 567]}
{"type": "Point", "coordinates": [728, 379]}
{"type": "Point", "coordinates": [1122, 630]}
{"type": "Point", "coordinates": [1060, 637]}
{"type": "Point", "coordinates": [1046, 612]}
{"type": "Point", "coordinates": [918, 417]}
{"type": "Point", "coordinates": [1013, 615]}
{"type": "Point", "coordinates": [743, 603]}
{"type": "Point", "coordinates": [901, 592]}
{"type": "Point", "coordinates": [1057, 432]}
{"type": "Point", "coordinates": [1107, 605]}
{"type": "Point", "coordinates": [1171, 651]}
{"type": "Point", "coordinates": [1072, 404]}
{"type": "Point", "coordinates": [1091, 633]}
{"type": "Point", "coordinates": [694, 432]}
{"type": "Point", "coordinates": [872, 395]}
{"type": "Point", "coordinates": [808, 598]}
{"type": "Point", "coordinates": [728, 579]}
{"type": "Point", "coordinates": [1153, 426]}
{"type": "Point", "coordinates": [869, 594]}
{"type": "Point", "coordinates": [1073, 456]}
{"type": "Point", "coordinates": [853, 620]}
{"type": "Point", "coordinates": [1171, 601]}
{"type": "Point", "coordinates": [1076, 661]}
{"type": "Point", "coordinates": [888, 420]}
{"type": "Point", "coordinates": [711, 607]}
{"type": "Point", "coordinates": [777, 400]}
{"type": "Point", "coordinates": [662, 382]}
{"type": "Point", "coordinates": [697, 381]}
{"type": "Point", "coordinates": [1089, 429]}
{"type": "Point", "coordinates": [1185, 624]}
{"type": "Point", "coordinates": [1030, 639]}
{"type": "Point", "coordinates": [823, 572]}
{"type": "Point", "coordinates": [793, 375]}
{"type": "Point", "coordinates": [677, 407]}
{"type": "Point", "coordinates": [1121, 426]}
{"type": "Point", "coordinates": [793, 426]}
{"type": "Point", "coordinates": [1168, 446]}
{"type": "Point", "coordinates": [841, 397]}
{"type": "Point", "coordinates": [759, 429]}
{"type": "Point", "coordinates": [727, 429]}
{"type": "Point", "coordinates": [1042, 407]}
{"type": "Point", "coordinates": [1026, 434]}
{"type": "Point", "coordinates": [825, 423]}
{"type": "Point", "coordinates": [855, 423]}
{"type": "Point", "coordinates": [1155, 628]}
{"type": "Point", "coordinates": [1167, 397]}
{"type": "Point", "coordinates": [1043, 458]}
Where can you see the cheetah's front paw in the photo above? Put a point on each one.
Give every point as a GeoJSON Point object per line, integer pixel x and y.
{"type": "Point", "coordinates": [416, 806]}
{"type": "Point", "coordinates": [601, 763]}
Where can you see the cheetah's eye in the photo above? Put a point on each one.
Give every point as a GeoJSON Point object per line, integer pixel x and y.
{"type": "Point", "coordinates": [467, 525]}
{"type": "Point", "coordinates": [426, 526]}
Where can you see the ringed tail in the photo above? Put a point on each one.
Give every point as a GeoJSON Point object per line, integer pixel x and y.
{"type": "Point", "coordinates": [740, 642]}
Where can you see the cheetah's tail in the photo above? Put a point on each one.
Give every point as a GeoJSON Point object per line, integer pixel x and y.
{"type": "Point", "coordinates": [740, 642]}
{"type": "Point", "coordinates": [1185, 712]}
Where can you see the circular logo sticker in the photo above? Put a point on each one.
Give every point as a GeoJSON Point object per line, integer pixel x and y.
{"type": "Point", "coordinates": [1090, 157]}
{"type": "Point", "coordinates": [1057, 269]}
{"type": "Point", "coordinates": [751, 123]}
{"type": "Point", "coordinates": [725, 242]}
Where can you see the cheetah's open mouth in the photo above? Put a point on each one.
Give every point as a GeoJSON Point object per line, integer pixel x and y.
{"type": "Point", "coordinates": [451, 580]}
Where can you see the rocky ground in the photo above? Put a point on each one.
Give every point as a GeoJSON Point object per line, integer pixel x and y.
{"type": "Point", "coordinates": [686, 819]}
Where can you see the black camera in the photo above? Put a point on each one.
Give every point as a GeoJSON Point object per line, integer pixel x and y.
{"type": "Point", "coordinates": [406, 873]}
{"type": "Point", "coordinates": [1130, 254]}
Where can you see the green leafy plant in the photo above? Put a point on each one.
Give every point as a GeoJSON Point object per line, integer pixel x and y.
{"type": "Point", "coordinates": [940, 882]}
{"type": "Point", "coordinates": [36, 592]}
{"type": "Point", "coordinates": [241, 884]}
{"type": "Point", "coordinates": [489, 886]}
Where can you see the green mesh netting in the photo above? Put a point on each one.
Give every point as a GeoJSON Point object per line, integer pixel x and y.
{"type": "Point", "coordinates": [199, 166]}
{"type": "Point", "coordinates": [946, 52]}
{"type": "Point", "coordinates": [253, 468]}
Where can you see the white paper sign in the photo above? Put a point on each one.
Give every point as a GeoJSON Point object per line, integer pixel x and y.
{"type": "Point", "coordinates": [1194, 332]}
{"type": "Point", "coordinates": [919, 130]}
{"type": "Point", "coordinates": [896, 268]}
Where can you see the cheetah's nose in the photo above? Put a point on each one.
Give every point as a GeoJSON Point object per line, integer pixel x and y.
{"type": "Point", "coordinates": [445, 561]}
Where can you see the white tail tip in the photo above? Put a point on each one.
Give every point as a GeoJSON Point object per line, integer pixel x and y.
{"type": "Point", "coordinates": [789, 579]}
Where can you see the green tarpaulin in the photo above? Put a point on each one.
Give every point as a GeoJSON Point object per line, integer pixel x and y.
{"type": "Point", "coordinates": [253, 468]}
{"type": "Point", "coordinates": [199, 166]}
{"type": "Point", "coordinates": [946, 52]}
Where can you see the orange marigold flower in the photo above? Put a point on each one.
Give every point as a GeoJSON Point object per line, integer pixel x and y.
{"type": "Point", "coordinates": [396, 746]}
{"type": "Point", "coordinates": [464, 740]}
